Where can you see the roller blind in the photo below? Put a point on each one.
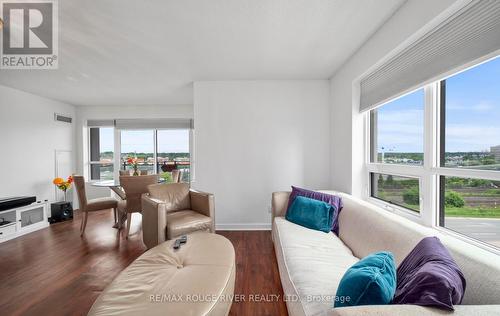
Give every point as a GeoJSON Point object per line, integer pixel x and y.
{"type": "Point", "coordinates": [471, 33]}
{"type": "Point", "coordinates": [100, 123]}
{"type": "Point", "coordinates": [169, 123]}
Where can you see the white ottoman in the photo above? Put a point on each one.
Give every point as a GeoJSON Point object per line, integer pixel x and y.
{"type": "Point", "coordinates": [197, 279]}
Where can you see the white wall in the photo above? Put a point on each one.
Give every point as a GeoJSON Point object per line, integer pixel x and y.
{"type": "Point", "coordinates": [346, 122]}
{"type": "Point", "coordinates": [85, 113]}
{"type": "Point", "coordinates": [28, 141]}
{"type": "Point", "coordinates": [256, 137]}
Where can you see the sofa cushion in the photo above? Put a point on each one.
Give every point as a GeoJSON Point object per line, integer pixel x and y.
{"type": "Point", "coordinates": [185, 222]}
{"type": "Point", "coordinates": [429, 276]}
{"type": "Point", "coordinates": [312, 263]}
{"type": "Point", "coordinates": [311, 213]}
{"type": "Point", "coordinates": [371, 281]}
{"type": "Point", "coordinates": [175, 195]}
{"type": "Point", "coordinates": [331, 199]}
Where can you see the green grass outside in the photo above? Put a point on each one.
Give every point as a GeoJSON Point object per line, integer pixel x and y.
{"type": "Point", "coordinates": [473, 212]}
{"type": "Point", "coordinates": [482, 194]}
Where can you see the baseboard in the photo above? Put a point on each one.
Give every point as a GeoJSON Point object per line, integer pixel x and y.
{"type": "Point", "coordinates": [239, 226]}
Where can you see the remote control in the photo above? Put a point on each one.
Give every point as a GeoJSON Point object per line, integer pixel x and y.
{"type": "Point", "coordinates": [183, 239]}
{"type": "Point", "coordinates": [177, 244]}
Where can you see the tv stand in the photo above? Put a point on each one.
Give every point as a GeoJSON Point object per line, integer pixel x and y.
{"type": "Point", "coordinates": [23, 220]}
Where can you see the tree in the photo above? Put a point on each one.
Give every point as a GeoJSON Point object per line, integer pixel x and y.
{"type": "Point", "coordinates": [411, 196]}
{"type": "Point", "coordinates": [380, 180]}
{"type": "Point", "coordinates": [389, 180]}
{"type": "Point", "coordinates": [453, 199]}
{"type": "Point", "coordinates": [479, 183]}
{"type": "Point", "coordinates": [167, 177]}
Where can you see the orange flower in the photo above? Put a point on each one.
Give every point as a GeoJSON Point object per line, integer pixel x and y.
{"type": "Point", "coordinates": [58, 181]}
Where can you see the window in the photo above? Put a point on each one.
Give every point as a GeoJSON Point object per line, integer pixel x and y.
{"type": "Point", "coordinates": [471, 207]}
{"type": "Point", "coordinates": [436, 152]}
{"type": "Point", "coordinates": [401, 191]}
{"type": "Point", "coordinates": [471, 118]}
{"type": "Point", "coordinates": [140, 144]}
{"type": "Point", "coordinates": [101, 153]}
{"type": "Point", "coordinates": [398, 131]}
{"type": "Point", "coordinates": [160, 145]}
{"type": "Point", "coordinates": [157, 151]}
{"type": "Point", "coordinates": [173, 152]}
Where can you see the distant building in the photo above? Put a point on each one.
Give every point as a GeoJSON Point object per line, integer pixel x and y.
{"type": "Point", "coordinates": [495, 150]}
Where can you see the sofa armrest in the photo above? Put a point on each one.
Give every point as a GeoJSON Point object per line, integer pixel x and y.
{"type": "Point", "coordinates": [279, 203]}
{"type": "Point", "coordinates": [203, 203]}
{"type": "Point", "coordinates": [414, 310]}
{"type": "Point", "coordinates": [154, 221]}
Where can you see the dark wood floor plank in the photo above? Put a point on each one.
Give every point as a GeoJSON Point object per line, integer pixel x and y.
{"type": "Point", "coordinates": [55, 272]}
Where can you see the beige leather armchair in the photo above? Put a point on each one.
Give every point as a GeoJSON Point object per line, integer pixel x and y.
{"type": "Point", "coordinates": [171, 210]}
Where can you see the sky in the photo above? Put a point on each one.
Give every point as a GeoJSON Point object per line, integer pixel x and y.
{"type": "Point", "coordinates": [172, 141]}
{"type": "Point", "coordinates": [472, 114]}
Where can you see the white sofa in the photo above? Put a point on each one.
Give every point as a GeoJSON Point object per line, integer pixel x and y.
{"type": "Point", "coordinates": [311, 263]}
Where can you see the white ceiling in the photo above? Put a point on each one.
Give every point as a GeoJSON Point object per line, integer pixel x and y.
{"type": "Point", "coordinates": [123, 52]}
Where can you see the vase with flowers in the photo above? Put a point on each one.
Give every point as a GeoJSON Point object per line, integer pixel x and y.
{"type": "Point", "coordinates": [133, 162]}
{"type": "Point", "coordinates": [63, 185]}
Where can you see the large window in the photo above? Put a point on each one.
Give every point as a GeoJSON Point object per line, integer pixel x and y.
{"type": "Point", "coordinates": [158, 150]}
{"type": "Point", "coordinates": [101, 153]}
{"type": "Point", "coordinates": [435, 153]}
{"type": "Point", "coordinates": [398, 131]}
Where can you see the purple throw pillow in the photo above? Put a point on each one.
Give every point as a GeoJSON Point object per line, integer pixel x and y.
{"type": "Point", "coordinates": [429, 276]}
{"type": "Point", "coordinates": [333, 200]}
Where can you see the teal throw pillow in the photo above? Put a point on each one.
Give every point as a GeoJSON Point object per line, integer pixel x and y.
{"type": "Point", "coordinates": [311, 213]}
{"type": "Point", "coordinates": [370, 281]}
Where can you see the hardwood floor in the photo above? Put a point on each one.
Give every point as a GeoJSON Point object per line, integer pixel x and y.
{"type": "Point", "coordinates": [55, 272]}
{"type": "Point", "coordinates": [257, 274]}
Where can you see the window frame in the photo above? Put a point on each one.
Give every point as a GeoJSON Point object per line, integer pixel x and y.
{"type": "Point", "coordinates": [117, 133]}
{"type": "Point", "coordinates": [432, 169]}
{"type": "Point", "coordinates": [89, 149]}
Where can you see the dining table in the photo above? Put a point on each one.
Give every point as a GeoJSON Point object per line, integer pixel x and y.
{"type": "Point", "coordinates": [114, 185]}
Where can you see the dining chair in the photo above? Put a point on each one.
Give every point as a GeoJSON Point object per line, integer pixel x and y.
{"type": "Point", "coordinates": [176, 175]}
{"type": "Point", "coordinates": [134, 187]}
{"type": "Point", "coordinates": [92, 205]}
{"type": "Point", "coordinates": [129, 172]}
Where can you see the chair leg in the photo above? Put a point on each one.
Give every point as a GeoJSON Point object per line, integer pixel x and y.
{"type": "Point", "coordinates": [81, 222]}
{"type": "Point", "coordinates": [114, 212]}
{"type": "Point", "coordinates": [84, 223]}
{"type": "Point", "coordinates": [129, 219]}
{"type": "Point", "coordinates": [119, 219]}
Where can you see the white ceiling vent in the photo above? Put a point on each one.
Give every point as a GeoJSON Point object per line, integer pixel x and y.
{"type": "Point", "coordinates": [62, 118]}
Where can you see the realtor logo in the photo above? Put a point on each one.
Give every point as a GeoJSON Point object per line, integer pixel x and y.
{"type": "Point", "coordinates": [29, 34]}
